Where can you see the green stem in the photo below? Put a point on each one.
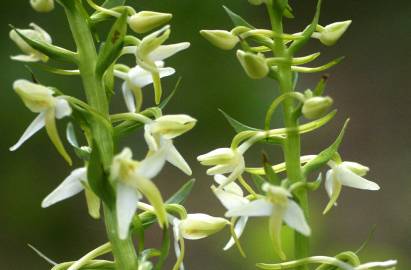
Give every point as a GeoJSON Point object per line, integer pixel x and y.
{"type": "Point", "coordinates": [292, 144]}
{"type": "Point", "coordinates": [123, 250]}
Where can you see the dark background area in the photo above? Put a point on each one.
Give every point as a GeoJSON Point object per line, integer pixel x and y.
{"type": "Point", "coordinates": [371, 86]}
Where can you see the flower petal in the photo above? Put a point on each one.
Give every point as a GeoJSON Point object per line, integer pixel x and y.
{"type": "Point", "coordinates": [25, 58]}
{"type": "Point", "coordinates": [294, 217]}
{"type": "Point", "coordinates": [229, 199]}
{"type": "Point", "coordinates": [274, 227]}
{"type": "Point", "coordinates": [350, 179]}
{"type": "Point", "coordinates": [232, 187]}
{"type": "Point", "coordinates": [333, 186]}
{"type": "Point", "coordinates": [69, 187]}
{"type": "Point", "coordinates": [166, 51]}
{"type": "Point", "coordinates": [128, 97]}
{"type": "Point", "coordinates": [63, 108]}
{"type": "Point", "coordinates": [238, 229]}
{"type": "Point", "coordinates": [38, 123]}
{"type": "Point", "coordinates": [126, 204]}
{"type": "Point", "coordinates": [152, 165]}
{"type": "Point", "coordinates": [175, 158]}
{"type": "Point", "coordinates": [257, 208]}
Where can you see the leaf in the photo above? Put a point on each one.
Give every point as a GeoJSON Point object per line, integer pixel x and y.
{"type": "Point", "coordinates": [181, 195]}
{"type": "Point", "coordinates": [326, 155]}
{"type": "Point", "coordinates": [72, 139]}
{"type": "Point", "coordinates": [113, 3]}
{"type": "Point", "coordinates": [165, 101]}
{"type": "Point", "coordinates": [50, 50]}
{"type": "Point", "coordinates": [299, 43]}
{"type": "Point", "coordinates": [111, 49]}
{"type": "Point", "coordinates": [238, 126]}
{"type": "Point", "coordinates": [269, 172]}
{"type": "Point", "coordinates": [236, 19]}
{"type": "Point", "coordinates": [258, 182]}
{"type": "Point", "coordinates": [98, 179]}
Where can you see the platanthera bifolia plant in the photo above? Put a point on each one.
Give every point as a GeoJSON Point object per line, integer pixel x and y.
{"type": "Point", "coordinates": [280, 192]}
{"type": "Point", "coordinates": [109, 177]}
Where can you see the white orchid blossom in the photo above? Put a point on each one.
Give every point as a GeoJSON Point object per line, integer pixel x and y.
{"type": "Point", "coordinates": [40, 99]}
{"type": "Point", "coordinates": [194, 227]}
{"type": "Point", "coordinates": [132, 181]}
{"type": "Point", "coordinates": [330, 34]}
{"type": "Point", "coordinates": [346, 174]}
{"type": "Point", "coordinates": [224, 161]}
{"type": "Point", "coordinates": [279, 207]}
{"type": "Point", "coordinates": [159, 135]}
{"type": "Point", "coordinates": [137, 78]}
{"type": "Point", "coordinates": [30, 54]}
{"type": "Point", "coordinates": [72, 185]}
{"type": "Point", "coordinates": [232, 197]}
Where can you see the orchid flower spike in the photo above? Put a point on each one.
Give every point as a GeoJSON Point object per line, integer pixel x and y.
{"type": "Point", "coordinates": [346, 174]}
{"type": "Point", "coordinates": [40, 99]}
{"type": "Point", "coordinates": [30, 54]}
{"type": "Point", "coordinates": [231, 197]}
{"type": "Point", "coordinates": [224, 161]}
{"type": "Point", "coordinates": [71, 186]}
{"type": "Point", "coordinates": [132, 180]}
{"type": "Point", "coordinates": [159, 135]}
{"type": "Point", "coordinates": [137, 78]}
{"type": "Point", "coordinates": [279, 207]}
{"type": "Point", "coordinates": [42, 5]}
{"type": "Point", "coordinates": [194, 227]}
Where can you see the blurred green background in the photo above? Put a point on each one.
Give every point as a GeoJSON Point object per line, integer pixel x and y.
{"type": "Point", "coordinates": [371, 86]}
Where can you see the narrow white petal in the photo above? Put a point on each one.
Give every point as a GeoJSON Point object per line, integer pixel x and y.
{"type": "Point", "coordinates": [166, 51]}
{"type": "Point", "coordinates": [229, 200]}
{"type": "Point", "coordinates": [175, 158]}
{"type": "Point", "coordinates": [350, 179]}
{"type": "Point", "coordinates": [329, 182]}
{"type": "Point", "coordinates": [238, 229]}
{"type": "Point", "coordinates": [63, 108]}
{"type": "Point", "coordinates": [38, 123]}
{"type": "Point", "coordinates": [25, 58]}
{"type": "Point", "coordinates": [167, 71]}
{"type": "Point", "coordinates": [294, 217]}
{"type": "Point", "coordinates": [127, 199]}
{"type": "Point", "coordinates": [70, 186]}
{"type": "Point", "coordinates": [139, 77]}
{"type": "Point", "coordinates": [152, 165]}
{"type": "Point", "coordinates": [232, 187]}
{"type": "Point", "coordinates": [257, 208]}
{"type": "Point", "coordinates": [150, 139]}
{"type": "Point", "coordinates": [128, 97]}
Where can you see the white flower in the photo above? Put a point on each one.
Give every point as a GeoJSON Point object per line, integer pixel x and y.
{"type": "Point", "coordinates": [73, 184]}
{"type": "Point", "coordinates": [159, 135]}
{"type": "Point", "coordinates": [42, 5]}
{"type": "Point", "coordinates": [224, 160]}
{"type": "Point", "coordinates": [194, 227]}
{"type": "Point", "coordinates": [330, 34]}
{"type": "Point", "coordinates": [30, 54]}
{"type": "Point", "coordinates": [137, 78]}
{"type": "Point", "coordinates": [279, 208]}
{"type": "Point", "coordinates": [132, 181]}
{"type": "Point", "coordinates": [40, 99]}
{"type": "Point", "coordinates": [232, 197]}
{"type": "Point", "coordinates": [346, 174]}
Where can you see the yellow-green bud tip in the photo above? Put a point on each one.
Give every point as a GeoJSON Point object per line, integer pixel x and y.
{"type": "Point", "coordinates": [222, 39]}
{"type": "Point", "coordinates": [145, 21]}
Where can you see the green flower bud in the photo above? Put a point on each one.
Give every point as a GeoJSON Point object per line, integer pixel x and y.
{"type": "Point", "coordinates": [145, 21]}
{"type": "Point", "coordinates": [316, 107]}
{"type": "Point", "coordinates": [198, 226]}
{"type": "Point", "coordinates": [36, 97]}
{"type": "Point", "coordinates": [255, 65]}
{"type": "Point", "coordinates": [42, 5]}
{"type": "Point", "coordinates": [222, 39]}
{"type": "Point", "coordinates": [330, 34]}
{"type": "Point", "coordinates": [171, 126]}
